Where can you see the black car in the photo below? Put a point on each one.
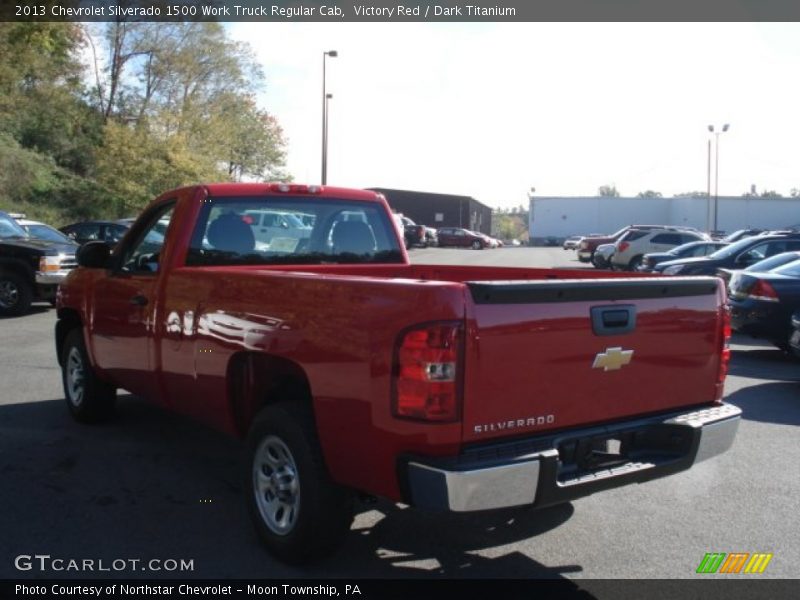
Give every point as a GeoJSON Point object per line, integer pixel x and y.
{"type": "Point", "coordinates": [762, 303]}
{"type": "Point", "coordinates": [30, 268]}
{"type": "Point", "coordinates": [689, 250]}
{"type": "Point", "coordinates": [738, 255]}
{"type": "Point", "coordinates": [109, 232]}
{"type": "Point", "coordinates": [773, 262]}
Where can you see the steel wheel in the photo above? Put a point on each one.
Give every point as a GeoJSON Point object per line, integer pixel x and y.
{"type": "Point", "coordinates": [89, 399]}
{"type": "Point", "coordinates": [75, 377]}
{"type": "Point", "coordinates": [276, 485]}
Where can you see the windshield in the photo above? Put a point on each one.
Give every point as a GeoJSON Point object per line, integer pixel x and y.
{"type": "Point", "coordinates": [45, 232]}
{"type": "Point", "coordinates": [343, 231]}
{"type": "Point", "coordinates": [10, 229]}
{"type": "Point", "coordinates": [678, 250]}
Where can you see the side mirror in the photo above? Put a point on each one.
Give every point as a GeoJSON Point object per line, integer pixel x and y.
{"type": "Point", "coordinates": [94, 255]}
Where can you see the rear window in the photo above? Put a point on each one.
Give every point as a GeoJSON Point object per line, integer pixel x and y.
{"type": "Point", "coordinates": [298, 230]}
{"type": "Point", "coordinates": [791, 270]}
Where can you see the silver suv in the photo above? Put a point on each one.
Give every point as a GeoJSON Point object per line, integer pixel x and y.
{"type": "Point", "coordinates": [632, 246]}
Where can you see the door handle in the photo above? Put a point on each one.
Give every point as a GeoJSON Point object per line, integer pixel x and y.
{"type": "Point", "coordinates": [139, 300]}
{"type": "Point", "coordinates": [613, 320]}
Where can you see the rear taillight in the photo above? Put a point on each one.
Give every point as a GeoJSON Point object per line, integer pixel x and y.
{"type": "Point", "coordinates": [762, 290]}
{"type": "Point", "coordinates": [624, 246]}
{"type": "Point", "coordinates": [426, 381]}
{"type": "Point", "coordinates": [725, 352]}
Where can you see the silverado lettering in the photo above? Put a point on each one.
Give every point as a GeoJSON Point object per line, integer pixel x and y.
{"type": "Point", "coordinates": [290, 316]}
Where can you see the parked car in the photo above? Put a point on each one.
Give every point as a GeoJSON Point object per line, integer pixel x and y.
{"type": "Point", "coordinates": [30, 268]}
{"type": "Point", "coordinates": [431, 236]}
{"type": "Point", "coordinates": [589, 244]}
{"type": "Point", "coordinates": [43, 231]}
{"type": "Point", "coordinates": [762, 304]}
{"type": "Point", "coordinates": [571, 243]}
{"type": "Point", "coordinates": [737, 255]}
{"type": "Point", "coordinates": [456, 236]}
{"type": "Point", "coordinates": [413, 234]}
{"type": "Point", "coordinates": [447, 388]}
{"type": "Point", "coordinates": [688, 250]}
{"type": "Point", "coordinates": [773, 262]}
{"type": "Point", "coordinates": [110, 232]}
{"type": "Point", "coordinates": [740, 235]}
{"type": "Point", "coordinates": [631, 247]}
{"type": "Point", "coordinates": [602, 256]}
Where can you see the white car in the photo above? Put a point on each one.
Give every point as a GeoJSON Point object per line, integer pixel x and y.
{"type": "Point", "coordinates": [631, 247]}
{"type": "Point", "coordinates": [571, 243]}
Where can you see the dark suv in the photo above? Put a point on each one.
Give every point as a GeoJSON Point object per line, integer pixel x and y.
{"type": "Point", "coordinates": [30, 268]}
{"type": "Point", "coordinates": [738, 255]}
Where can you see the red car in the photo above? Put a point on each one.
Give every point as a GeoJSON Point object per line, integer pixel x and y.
{"type": "Point", "coordinates": [456, 236]}
{"type": "Point", "coordinates": [350, 371]}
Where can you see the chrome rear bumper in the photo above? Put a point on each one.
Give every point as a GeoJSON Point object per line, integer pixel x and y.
{"type": "Point", "coordinates": [533, 472]}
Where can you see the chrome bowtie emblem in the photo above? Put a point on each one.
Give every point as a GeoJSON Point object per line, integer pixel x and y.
{"type": "Point", "coordinates": [613, 359]}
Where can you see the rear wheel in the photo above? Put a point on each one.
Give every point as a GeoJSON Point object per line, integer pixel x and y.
{"type": "Point", "coordinates": [476, 245]}
{"type": "Point", "coordinates": [635, 262]}
{"type": "Point", "coordinates": [89, 399]}
{"type": "Point", "coordinates": [298, 511]}
{"type": "Point", "coordinates": [16, 295]}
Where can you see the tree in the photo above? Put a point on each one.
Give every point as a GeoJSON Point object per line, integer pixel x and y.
{"type": "Point", "coordinates": [691, 195]}
{"type": "Point", "coordinates": [608, 191]}
{"type": "Point", "coordinates": [649, 194]}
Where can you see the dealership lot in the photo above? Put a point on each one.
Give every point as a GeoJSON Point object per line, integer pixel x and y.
{"type": "Point", "coordinates": [154, 486]}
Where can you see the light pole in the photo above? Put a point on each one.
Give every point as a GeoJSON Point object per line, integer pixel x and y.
{"type": "Point", "coordinates": [325, 97]}
{"type": "Point", "coordinates": [325, 137]}
{"type": "Point", "coordinates": [716, 169]}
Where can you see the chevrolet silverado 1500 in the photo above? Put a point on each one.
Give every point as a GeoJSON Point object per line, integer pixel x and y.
{"type": "Point", "coordinates": [350, 371]}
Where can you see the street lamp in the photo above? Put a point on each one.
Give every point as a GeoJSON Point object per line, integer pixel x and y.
{"type": "Point", "coordinates": [325, 98]}
{"type": "Point", "coordinates": [325, 137]}
{"type": "Point", "coordinates": [716, 168]}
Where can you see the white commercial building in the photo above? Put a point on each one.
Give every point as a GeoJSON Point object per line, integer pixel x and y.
{"type": "Point", "coordinates": [560, 217]}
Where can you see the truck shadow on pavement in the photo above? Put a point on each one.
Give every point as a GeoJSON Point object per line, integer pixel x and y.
{"type": "Point", "coordinates": [769, 402]}
{"type": "Point", "coordinates": [154, 485]}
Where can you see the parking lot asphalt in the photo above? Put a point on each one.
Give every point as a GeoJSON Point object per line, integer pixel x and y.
{"type": "Point", "coordinates": [151, 485]}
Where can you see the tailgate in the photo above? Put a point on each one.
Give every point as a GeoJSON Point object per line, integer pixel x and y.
{"type": "Point", "coordinates": [556, 354]}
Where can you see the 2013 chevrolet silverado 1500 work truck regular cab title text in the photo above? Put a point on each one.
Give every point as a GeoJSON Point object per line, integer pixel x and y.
{"type": "Point", "coordinates": [349, 370]}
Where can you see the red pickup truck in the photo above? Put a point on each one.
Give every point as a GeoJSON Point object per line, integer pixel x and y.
{"type": "Point", "coordinates": [350, 371]}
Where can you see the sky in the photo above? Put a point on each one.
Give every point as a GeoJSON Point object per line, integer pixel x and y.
{"type": "Point", "coordinates": [493, 110]}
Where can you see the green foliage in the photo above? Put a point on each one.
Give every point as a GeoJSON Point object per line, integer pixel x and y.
{"type": "Point", "coordinates": [510, 224]}
{"type": "Point", "coordinates": [649, 194]}
{"type": "Point", "coordinates": [171, 104]}
{"type": "Point", "coordinates": [692, 195]}
{"type": "Point", "coordinates": [608, 191]}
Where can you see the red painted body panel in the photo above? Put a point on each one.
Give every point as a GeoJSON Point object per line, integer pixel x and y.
{"type": "Point", "coordinates": [339, 324]}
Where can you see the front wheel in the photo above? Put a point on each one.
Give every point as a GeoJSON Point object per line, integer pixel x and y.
{"type": "Point", "coordinates": [16, 295]}
{"type": "Point", "coordinates": [476, 245]}
{"type": "Point", "coordinates": [89, 399]}
{"type": "Point", "coordinates": [298, 511]}
{"type": "Point", "coordinates": [636, 261]}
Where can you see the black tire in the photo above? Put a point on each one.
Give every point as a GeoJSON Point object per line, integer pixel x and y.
{"type": "Point", "coordinates": [312, 518]}
{"type": "Point", "coordinates": [16, 295]}
{"type": "Point", "coordinates": [89, 399]}
{"type": "Point", "coordinates": [635, 262]}
{"type": "Point", "coordinates": [476, 245]}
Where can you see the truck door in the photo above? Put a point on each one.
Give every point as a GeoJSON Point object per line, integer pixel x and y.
{"type": "Point", "coordinates": [124, 307]}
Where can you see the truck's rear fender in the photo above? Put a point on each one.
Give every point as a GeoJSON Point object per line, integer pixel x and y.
{"type": "Point", "coordinates": [256, 380]}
